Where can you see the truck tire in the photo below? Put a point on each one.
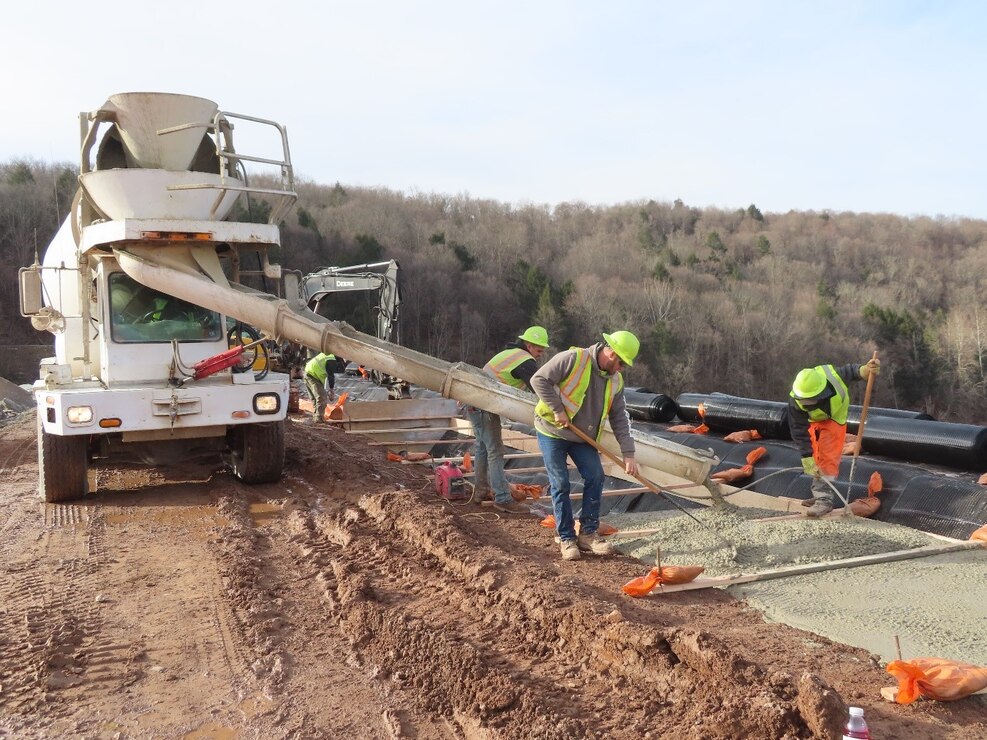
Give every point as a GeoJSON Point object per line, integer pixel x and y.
{"type": "Point", "coordinates": [257, 452]}
{"type": "Point", "coordinates": [63, 466]}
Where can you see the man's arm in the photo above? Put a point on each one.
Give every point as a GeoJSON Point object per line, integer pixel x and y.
{"type": "Point", "coordinates": [620, 423]}
{"type": "Point", "coordinates": [798, 427]}
{"type": "Point", "coordinates": [850, 373]}
{"type": "Point", "coordinates": [524, 371]}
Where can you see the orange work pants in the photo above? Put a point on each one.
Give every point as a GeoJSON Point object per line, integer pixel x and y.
{"type": "Point", "coordinates": [828, 438]}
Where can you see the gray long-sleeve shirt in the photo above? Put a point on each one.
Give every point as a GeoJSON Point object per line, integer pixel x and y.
{"type": "Point", "coordinates": [546, 381]}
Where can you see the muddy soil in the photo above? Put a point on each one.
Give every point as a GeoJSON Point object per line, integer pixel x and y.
{"type": "Point", "coordinates": [349, 601]}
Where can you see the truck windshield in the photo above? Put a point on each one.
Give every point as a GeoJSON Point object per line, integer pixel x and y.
{"type": "Point", "coordinates": [140, 314]}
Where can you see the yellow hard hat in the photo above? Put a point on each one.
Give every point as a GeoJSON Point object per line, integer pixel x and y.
{"type": "Point", "coordinates": [536, 335]}
{"type": "Point", "coordinates": [809, 383]}
{"type": "Point", "coordinates": [625, 344]}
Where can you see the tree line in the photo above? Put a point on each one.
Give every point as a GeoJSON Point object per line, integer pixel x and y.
{"type": "Point", "coordinates": [735, 301]}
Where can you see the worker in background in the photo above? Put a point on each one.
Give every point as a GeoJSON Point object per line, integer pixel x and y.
{"type": "Point", "coordinates": [320, 379]}
{"type": "Point", "coordinates": [513, 366]}
{"type": "Point", "coordinates": [583, 387]}
{"type": "Point", "coordinates": [817, 412]}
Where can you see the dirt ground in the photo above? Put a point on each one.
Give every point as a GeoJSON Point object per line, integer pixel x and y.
{"type": "Point", "coordinates": [349, 601]}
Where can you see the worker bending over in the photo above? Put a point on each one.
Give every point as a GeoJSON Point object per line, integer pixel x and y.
{"type": "Point", "coordinates": [817, 412]}
{"type": "Point", "coordinates": [514, 366]}
{"type": "Point", "coordinates": [320, 379]}
{"type": "Point", "coordinates": [583, 387]}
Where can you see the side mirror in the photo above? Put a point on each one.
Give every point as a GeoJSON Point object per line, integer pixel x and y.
{"type": "Point", "coordinates": [31, 290]}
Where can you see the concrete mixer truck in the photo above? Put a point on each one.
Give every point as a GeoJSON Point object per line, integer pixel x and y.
{"type": "Point", "coordinates": [147, 290]}
{"type": "Point", "coordinates": [139, 373]}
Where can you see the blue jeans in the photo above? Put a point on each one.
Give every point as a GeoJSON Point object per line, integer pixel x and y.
{"type": "Point", "coordinates": [488, 454]}
{"type": "Point", "coordinates": [587, 460]}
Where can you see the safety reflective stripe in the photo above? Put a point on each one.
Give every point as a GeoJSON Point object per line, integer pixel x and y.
{"type": "Point", "coordinates": [839, 407]}
{"type": "Point", "coordinates": [501, 365]}
{"type": "Point", "coordinates": [578, 380]}
{"type": "Point", "coordinates": [841, 410]}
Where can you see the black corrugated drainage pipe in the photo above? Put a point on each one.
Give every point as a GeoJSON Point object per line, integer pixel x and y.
{"type": "Point", "coordinates": [646, 406]}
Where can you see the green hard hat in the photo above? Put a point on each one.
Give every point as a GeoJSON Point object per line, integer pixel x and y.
{"type": "Point", "coordinates": [536, 335]}
{"type": "Point", "coordinates": [625, 344]}
{"type": "Point", "coordinates": [809, 383]}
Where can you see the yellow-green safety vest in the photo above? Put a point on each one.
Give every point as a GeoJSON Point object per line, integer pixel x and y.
{"type": "Point", "coordinates": [502, 363]}
{"type": "Point", "coordinates": [316, 367]}
{"type": "Point", "coordinates": [839, 406]}
{"type": "Point", "coordinates": [573, 387]}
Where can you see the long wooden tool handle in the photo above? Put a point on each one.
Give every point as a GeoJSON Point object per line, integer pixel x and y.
{"type": "Point", "coordinates": [863, 411]}
{"type": "Point", "coordinates": [604, 451]}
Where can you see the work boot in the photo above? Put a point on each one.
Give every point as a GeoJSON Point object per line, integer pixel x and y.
{"type": "Point", "coordinates": [821, 507]}
{"type": "Point", "coordinates": [570, 550]}
{"type": "Point", "coordinates": [808, 501]}
{"type": "Point", "coordinates": [482, 494]}
{"type": "Point", "coordinates": [511, 507]}
{"type": "Point", "coordinates": [594, 543]}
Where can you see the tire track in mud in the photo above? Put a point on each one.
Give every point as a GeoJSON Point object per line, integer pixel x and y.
{"type": "Point", "coordinates": [20, 491]}
{"type": "Point", "coordinates": [369, 577]}
{"type": "Point", "coordinates": [50, 621]}
{"type": "Point", "coordinates": [497, 641]}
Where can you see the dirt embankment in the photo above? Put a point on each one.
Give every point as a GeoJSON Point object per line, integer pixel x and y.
{"type": "Point", "coordinates": [349, 601]}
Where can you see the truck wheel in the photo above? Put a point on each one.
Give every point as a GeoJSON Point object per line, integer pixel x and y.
{"type": "Point", "coordinates": [257, 452]}
{"type": "Point", "coordinates": [62, 466]}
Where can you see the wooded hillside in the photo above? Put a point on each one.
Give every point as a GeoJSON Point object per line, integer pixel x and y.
{"type": "Point", "coordinates": [733, 301]}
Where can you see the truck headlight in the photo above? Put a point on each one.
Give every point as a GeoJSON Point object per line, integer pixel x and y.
{"type": "Point", "coordinates": [267, 403]}
{"type": "Point", "coordinates": [79, 414]}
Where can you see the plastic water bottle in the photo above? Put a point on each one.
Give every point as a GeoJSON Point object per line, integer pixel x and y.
{"type": "Point", "coordinates": [856, 726]}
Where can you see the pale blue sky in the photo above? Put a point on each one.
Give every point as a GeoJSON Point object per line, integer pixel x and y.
{"type": "Point", "coordinates": [845, 106]}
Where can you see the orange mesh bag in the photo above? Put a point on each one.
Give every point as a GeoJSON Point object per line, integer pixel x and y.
{"type": "Point", "coordinates": [642, 585]}
{"type": "Point", "coordinates": [733, 475]}
{"type": "Point", "coordinates": [548, 522]}
{"type": "Point", "coordinates": [748, 435]}
{"type": "Point", "coordinates": [394, 457]}
{"type": "Point", "coordinates": [417, 456]}
{"type": "Point", "coordinates": [334, 411]}
{"type": "Point", "coordinates": [689, 429]}
{"type": "Point", "coordinates": [467, 463]}
{"type": "Point", "coordinates": [756, 454]}
{"type": "Point", "coordinates": [982, 480]}
{"type": "Point", "coordinates": [522, 491]}
{"type": "Point", "coordinates": [936, 678]}
{"type": "Point", "coordinates": [869, 505]}
{"type": "Point", "coordinates": [980, 534]}
{"type": "Point", "coordinates": [866, 506]}
{"type": "Point", "coordinates": [676, 574]}
{"type": "Point", "coordinates": [668, 574]}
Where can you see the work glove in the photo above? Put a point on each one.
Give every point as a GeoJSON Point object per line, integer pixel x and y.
{"type": "Point", "coordinates": [810, 467]}
{"type": "Point", "coordinates": [870, 367]}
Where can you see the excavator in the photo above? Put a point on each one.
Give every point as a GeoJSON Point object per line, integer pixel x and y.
{"type": "Point", "coordinates": [380, 277]}
{"type": "Point", "coordinates": [147, 272]}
